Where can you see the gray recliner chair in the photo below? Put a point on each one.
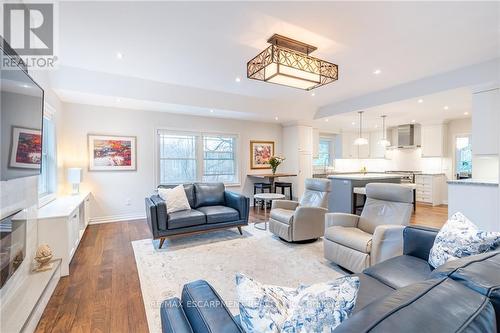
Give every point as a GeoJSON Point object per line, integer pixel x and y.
{"type": "Point", "coordinates": [357, 242]}
{"type": "Point", "coordinates": [303, 220]}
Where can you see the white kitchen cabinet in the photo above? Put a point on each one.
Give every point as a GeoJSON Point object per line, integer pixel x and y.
{"type": "Point", "coordinates": [315, 148]}
{"type": "Point", "coordinates": [349, 150]}
{"type": "Point", "coordinates": [431, 189]}
{"type": "Point", "coordinates": [485, 120]}
{"type": "Point", "coordinates": [305, 136]}
{"type": "Point", "coordinates": [434, 140]}
{"type": "Point", "coordinates": [376, 149]}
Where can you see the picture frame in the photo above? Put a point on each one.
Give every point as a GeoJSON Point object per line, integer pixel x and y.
{"type": "Point", "coordinates": [112, 153]}
{"type": "Point", "coordinates": [26, 148]}
{"type": "Point", "coordinates": [260, 152]}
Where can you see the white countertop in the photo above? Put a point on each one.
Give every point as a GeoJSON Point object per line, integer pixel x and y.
{"type": "Point", "coordinates": [474, 181]}
{"type": "Point", "coordinates": [62, 206]}
{"type": "Point", "coordinates": [368, 176]}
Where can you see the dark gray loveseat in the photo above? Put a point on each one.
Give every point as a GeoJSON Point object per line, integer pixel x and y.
{"type": "Point", "coordinates": [212, 207]}
{"type": "Point", "coordinates": [402, 294]}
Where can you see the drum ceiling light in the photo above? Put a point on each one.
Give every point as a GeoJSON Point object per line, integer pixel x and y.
{"type": "Point", "coordinates": [287, 62]}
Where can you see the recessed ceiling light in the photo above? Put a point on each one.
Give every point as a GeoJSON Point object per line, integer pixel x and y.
{"type": "Point", "coordinates": [377, 71]}
{"type": "Point", "coordinates": [326, 120]}
{"type": "Point", "coordinates": [237, 79]}
{"type": "Point", "coordinates": [276, 118]}
{"type": "Point", "coordinates": [211, 111]}
{"type": "Point", "coordinates": [119, 56]}
{"type": "Point", "coordinates": [466, 113]}
{"type": "Point", "coordinates": [313, 94]}
{"type": "Point", "coordinates": [118, 100]}
{"type": "Point", "coordinates": [376, 126]}
{"type": "Point", "coordinates": [446, 107]}
{"type": "Point", "coordinates": [353, 123]}
{"type": "Point", "coordinates": [413, 121]}
{"type": "Point", "coordinates": [25, 86]}
{"type": "Point", "coordinates": [420, 101]}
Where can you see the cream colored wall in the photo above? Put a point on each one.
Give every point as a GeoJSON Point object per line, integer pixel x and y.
{"type": "Point", "coordinates": [112, 191]}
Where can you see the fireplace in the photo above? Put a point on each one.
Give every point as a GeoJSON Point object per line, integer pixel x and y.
{"type": "Point", "coordinates": [12, 245]}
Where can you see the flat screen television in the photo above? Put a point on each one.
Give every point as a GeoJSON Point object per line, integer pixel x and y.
{"type": "Point", "coordinates": [21, 119]}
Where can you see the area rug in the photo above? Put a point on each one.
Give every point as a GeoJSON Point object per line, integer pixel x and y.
{"type": "Point", "coordinates": [216, 257]}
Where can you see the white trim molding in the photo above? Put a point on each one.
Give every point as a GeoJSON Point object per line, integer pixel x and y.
{"type": "Point", "coordinates": [117, 218]}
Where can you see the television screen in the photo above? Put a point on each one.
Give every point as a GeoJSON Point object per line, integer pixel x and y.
{"type": "Point", "coordinates": [21, 117]}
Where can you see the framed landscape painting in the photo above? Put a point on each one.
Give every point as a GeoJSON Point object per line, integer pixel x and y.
{"type": "Point", "coordinates": [26, 148]}
{"type": "Point", "coordinates": [260, 153]}
{"type": "Point", "coordinates": [112, 153]}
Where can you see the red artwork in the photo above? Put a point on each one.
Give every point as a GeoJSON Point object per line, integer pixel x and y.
{"type": "Point", "coordinates": [26, 148]}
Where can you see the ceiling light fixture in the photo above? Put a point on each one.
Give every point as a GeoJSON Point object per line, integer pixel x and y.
{"type": "Point", "coordinates": [384, 142]}
{"type": "Point", "coordinates": [377, 71]}
{"type": "Point", "coordinates": [276, 118]}
{"type": "Point", "coordinates": [237, 79]}
{"type": "Point", "coordinates": [446, 107]}
{"type": "Point", "coordinates": [466, 113]}
{"type": "Point", "coordinates": [313, 94]}
{"type": "Point", "coordinates": [211, 111]}
{"type": "Point", "coordinates": [360, 141]}
{"type": "Point", "coordinates": [287, 62]}
{"type": "Point", "coordinates": [118, 100]}
{"type": "Point", "coordinates": [326, 120]}
{"type": "Point", "coordinates": [413, 121]}
{"type": "Point", "coordinates": [119, 56]}
{"type": "Point", "coordinates": [420, 101]}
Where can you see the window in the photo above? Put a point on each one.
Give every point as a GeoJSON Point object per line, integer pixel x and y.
{"type": "Point", "coordinates": [189, 157]}
{"type": "Point", "coordinates": [463, 157]}
{"type": "Point", "coordinates": [47, 181]}
{"type": "Point", "coordinates": [324, 157]}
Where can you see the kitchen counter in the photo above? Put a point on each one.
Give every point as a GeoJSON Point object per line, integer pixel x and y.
{"type": "Point", "coordinates": [474, 181]}
{"type": "Point", "coordinates": [368, 176]}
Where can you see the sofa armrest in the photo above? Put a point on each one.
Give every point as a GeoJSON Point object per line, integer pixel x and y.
{"type": "Point", "coordinates": [173, 318]}
{"type": "Point", "coordinates": [341, 219]}
{"type": "Point", "coordinates": [239, 202]}
{"type": "Point", "coordinates": [418, 241]}
{"type": "Point", "coordinates": [285, 204]}
{"type": "Point", "coordinates": [160, 205]}
{"type": "Point", "coordinates": [205, 310]}
{"type": "Point", "coordinates": [387, 242]}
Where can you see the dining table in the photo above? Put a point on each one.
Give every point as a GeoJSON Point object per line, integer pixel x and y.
{"type": "Point", "coordinates": [271, 177]}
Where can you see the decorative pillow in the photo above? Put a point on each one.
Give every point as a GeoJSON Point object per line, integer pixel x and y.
{"type": "Point", "coordinates": [317, 308]}
{"type": "Point", "coordinates": [459, 238]}
{"type": "Point", "coordinates": [175, 198]}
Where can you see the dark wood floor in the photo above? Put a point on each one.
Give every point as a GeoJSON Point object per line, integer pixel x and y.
{"type": "Point", "coordinates": [102, 292]}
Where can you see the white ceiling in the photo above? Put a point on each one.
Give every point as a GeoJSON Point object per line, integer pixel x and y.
{"type": "Point", "coordinates": [206, 45]}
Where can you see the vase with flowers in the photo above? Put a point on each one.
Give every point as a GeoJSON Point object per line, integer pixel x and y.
{"type": "Point", "coordinates": [274, 162]}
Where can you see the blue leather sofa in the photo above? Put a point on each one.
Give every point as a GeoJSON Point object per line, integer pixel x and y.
{"type": "Point", "coordinates": [402, 294]}
{"type": "Point", "coordinates": [212, 207]}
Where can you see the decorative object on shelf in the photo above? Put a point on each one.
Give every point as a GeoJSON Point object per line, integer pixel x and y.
{"type": "Point", "coordinates": [384, 142]}
{"type": "Point", "coordinates": [260, 153]}
{"type": "Point", "coordinates": [360, 141]}
{"type": "Point", "coordinates": [363, 170]}
{"type": "Point", "coordinates": [275, 162]}
{"type": "Point", "coordinates": [287, 62]}
{"type": "Point", "coordinates": [43, 257]}
{"type": "Point", "coordinates": [26, 148]}
{"type": "Point", "coordinates": [112, 153]}
{"type": "Point", "coordinates": [75, 178]}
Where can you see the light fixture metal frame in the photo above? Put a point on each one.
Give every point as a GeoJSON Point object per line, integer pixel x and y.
{"type": "Point", "coordinates": [288, 52]}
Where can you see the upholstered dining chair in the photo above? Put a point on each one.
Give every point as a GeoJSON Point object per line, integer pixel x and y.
{"type": "Point", "coordinates": [357, 242]}
{"type": "Point", "coordinates": [301, 220]}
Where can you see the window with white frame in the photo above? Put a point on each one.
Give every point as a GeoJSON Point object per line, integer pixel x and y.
{"type": "Point", "coordinates": [189, 157]}
{"type": "Point", "coordinates": [47, 181]}
{"type": "Point", "coordinates": [324, 155]}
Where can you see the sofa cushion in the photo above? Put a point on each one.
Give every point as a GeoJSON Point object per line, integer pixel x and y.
{"type": "Point", "coordinates": [185, 218]}
{"type": "Point", "coordinates": [188, 188]}
{"type": "Point", "coordinates": [401, 271]}
{"type": "Point", "coordinates": [218, 214]}
{"type": "Point", "coordinates": [353, 238]}
{"type": "Point", "coordinates": [282, 215]}
{"type": "Point", "coordinates": [209, 194]}
{"type": "Point", "coordinates": [175, 198]}
{"type": "Point", "coordinates": [436, 305]}
{"type": "Point", "coordinates": [173, 318]}
{"type": "Point", "coordinates": [370, 289]}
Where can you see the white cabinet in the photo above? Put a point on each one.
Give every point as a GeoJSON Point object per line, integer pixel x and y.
{"type": "Point", "coordinates": [434, 140]}
{"type": "Point", "coordinates": [431, 189]}
{"type": "Point", "coordinates": [349, 150]}
{"type": "Point", "coordinates": [376, 149]}
{"type": "Point", "coordinates": [485, 120]}
{"type": "Point", "coordinates": [363, 150]}
{"type": "Point", "coordinates": [315, 148]}
{"type": "Point", "coordinates": [61, 225]}
{"type": "Point", "coordinates": [298, 150]}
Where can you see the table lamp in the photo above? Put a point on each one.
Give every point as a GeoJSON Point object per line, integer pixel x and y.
{"type": "Point", "coordinates": [75, 178]}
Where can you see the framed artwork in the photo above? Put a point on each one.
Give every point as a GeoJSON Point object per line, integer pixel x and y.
{"type": "Point", "coordinates": [26, 148]}
{"type": "Point", "coordinates": [260, 153]}
{"type": "Point", "coordinates": [112, 153]}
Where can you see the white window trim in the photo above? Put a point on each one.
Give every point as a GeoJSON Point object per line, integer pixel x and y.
{"type": "Point", "coordinates": [199, 151]}
{"type": "Point", "coordinates": [49, 113]}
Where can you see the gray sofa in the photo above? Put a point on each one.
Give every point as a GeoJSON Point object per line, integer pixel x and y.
{"type": "Point", "coordinates": [212, 207]}
{"type": "Point", "coordinates": [402, 294]}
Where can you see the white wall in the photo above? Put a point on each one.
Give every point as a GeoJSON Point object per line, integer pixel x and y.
{"type": "Point", "coordinates": [112, 190]}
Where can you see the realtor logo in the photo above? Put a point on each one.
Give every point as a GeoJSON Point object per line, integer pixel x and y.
{"type": "Point", "coordinates": [29, 28]}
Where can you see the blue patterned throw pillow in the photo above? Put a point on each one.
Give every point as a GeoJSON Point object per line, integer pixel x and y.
{"type": "Point", "coordinates": [317, 308]}
{"type": "Point", "coordinates": [459, 238]}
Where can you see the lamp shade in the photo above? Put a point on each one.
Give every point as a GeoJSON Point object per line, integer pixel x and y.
{"type": "Point", "coordinates": [74, 175]}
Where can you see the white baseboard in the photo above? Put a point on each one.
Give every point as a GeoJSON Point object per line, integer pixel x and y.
{"type": "Point", "coordinates": [116, 218]}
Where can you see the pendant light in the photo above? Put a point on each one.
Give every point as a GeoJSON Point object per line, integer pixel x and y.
{"type": "Point", "coordinates": [360, 141]}
{"type": "Point", "coordinates": [384, 142]}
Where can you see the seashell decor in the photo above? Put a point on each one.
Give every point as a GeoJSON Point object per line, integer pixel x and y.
{"type": "Point", "coordinates": [43, 257]}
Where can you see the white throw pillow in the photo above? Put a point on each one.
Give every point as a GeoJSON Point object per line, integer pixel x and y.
{"type": "Point", "coordinates": [459, 238]}
{"type": "Point", "coordinates": [317, 308]}
{"type": "Point", "coordinates": [175, 198]}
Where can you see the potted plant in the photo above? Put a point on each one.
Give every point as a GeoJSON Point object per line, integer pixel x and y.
{"type": "Point", "coordinates": [274, 162]}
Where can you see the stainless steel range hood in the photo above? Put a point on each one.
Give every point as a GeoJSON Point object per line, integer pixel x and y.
{"type": "Point", "coordinates": [408, 136]}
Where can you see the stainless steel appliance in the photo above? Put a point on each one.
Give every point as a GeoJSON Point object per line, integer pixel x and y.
{"type": "Point", "coordinates": [407, 177]}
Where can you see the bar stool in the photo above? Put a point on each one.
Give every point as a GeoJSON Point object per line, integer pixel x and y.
{"type": "Point", "coordinates": [283, 186]}
{"type": "Point", "coordinates": [355, 192]}
{"type": "Point", "coordinates": [262, 187]}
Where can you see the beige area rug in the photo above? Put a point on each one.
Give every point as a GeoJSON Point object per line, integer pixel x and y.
{"type": "Point", "coordinates": [216, 257]}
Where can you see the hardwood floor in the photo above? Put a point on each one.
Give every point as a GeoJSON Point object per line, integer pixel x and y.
{"type": "Point", "coordinates": [102, 292]}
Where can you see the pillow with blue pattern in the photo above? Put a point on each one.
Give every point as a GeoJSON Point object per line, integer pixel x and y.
{"type": "Point", "coordinates": [459, 238]}
{"type": "Point", "coordinates": [317, 308]}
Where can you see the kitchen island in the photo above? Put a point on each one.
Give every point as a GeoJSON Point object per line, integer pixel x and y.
{"type": "Point", "coordinates": [343, 200]}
